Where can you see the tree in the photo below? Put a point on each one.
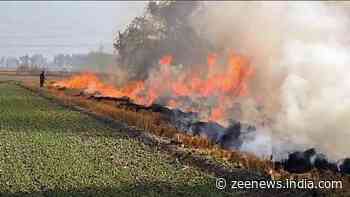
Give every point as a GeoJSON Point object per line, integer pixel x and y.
{"type": "Point", "coordinates": [24, 60]}
{"type": "Point", "coordinates": [163, 29]}
{"type": "Point", "coordinates": [61, 59]}
{"type": "Point", "coordinates": [2, 61]}
{"type": "Point", "coordinates": [12, 62]}
{"type": "Point", "coordinates": [38, 60]}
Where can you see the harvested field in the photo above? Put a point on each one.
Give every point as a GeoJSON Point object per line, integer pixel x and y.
{"type": "Point", "coordinates": [50, 148]}
{"type": "Point", "coordinates": [47, 148]}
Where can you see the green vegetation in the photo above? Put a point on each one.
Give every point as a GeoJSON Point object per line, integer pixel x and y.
{"type": "Point", "coordinates": [46, 149]}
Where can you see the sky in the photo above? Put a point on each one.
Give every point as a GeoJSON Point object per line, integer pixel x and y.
{"type": "Point", "coordinates": [67, 27]}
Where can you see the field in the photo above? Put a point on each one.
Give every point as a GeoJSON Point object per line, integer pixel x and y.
{"type": "Point", "coordinates": [48, 149]}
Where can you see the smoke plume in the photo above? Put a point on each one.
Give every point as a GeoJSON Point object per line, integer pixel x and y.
{"type": "Point", "coordinates": [300, 51]}
{"type": "Point", "coordinates": [280, 66]}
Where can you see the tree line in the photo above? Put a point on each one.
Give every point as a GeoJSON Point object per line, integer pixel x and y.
{"type": "Point", "coordinates": [94, 61]}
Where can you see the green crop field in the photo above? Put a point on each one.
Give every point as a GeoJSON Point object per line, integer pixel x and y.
{"type": "Point", "coordinates": [49, 150]}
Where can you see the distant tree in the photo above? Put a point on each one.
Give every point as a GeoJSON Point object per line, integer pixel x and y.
{"type": "Point", "coordinates": [79, 60]}
{"type": "Point", "coordinates": [60, 60]}
{"type": "Point", "coordinates": [98, 61]}
{"type": "Point", "coordinates": [2, 61]}
{"type": "Point", "coordinates": [38, 60]}
{"type": "Point", "coordinates": [12, 62]}
{"type": "Point", "coordinates": [24, 60]}
{"type": "Point", "coordinates": [101, 48]}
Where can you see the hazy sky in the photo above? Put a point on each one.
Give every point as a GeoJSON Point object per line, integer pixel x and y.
{"type": "Point", "coordinates": [62, 27]}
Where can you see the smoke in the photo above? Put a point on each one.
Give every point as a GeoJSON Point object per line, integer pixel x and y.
{"type": "Point", "coordinates": [301, 55]}
{"type": "Point", "coordinates": [287, 74]}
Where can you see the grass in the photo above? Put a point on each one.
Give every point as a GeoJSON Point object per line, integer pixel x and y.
{"type": "Point", "coordinates": [46, 149]}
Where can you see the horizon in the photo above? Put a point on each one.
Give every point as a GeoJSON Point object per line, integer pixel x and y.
{"type": "Point", "coordinates": [29, 28]}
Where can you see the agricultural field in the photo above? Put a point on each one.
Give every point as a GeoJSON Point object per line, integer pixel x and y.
{"type": "Point", "coordinates": [49, 147]}
{"type": "Point", "coordinates": [46, 149]}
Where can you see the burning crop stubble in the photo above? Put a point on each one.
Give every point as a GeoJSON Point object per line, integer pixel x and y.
{"type": "Point", "coordinates": [292, 59]}
{"type": "Point", "coordinates": [300, 53]}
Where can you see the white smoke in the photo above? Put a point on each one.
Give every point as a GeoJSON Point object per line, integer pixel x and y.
{"type": "Point", "coordinates": [301, 54]}
{"type": "Point", "coordinates": [259, 143]}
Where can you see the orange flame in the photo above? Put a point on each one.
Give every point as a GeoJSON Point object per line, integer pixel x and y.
{"type": "Point", "coordinates": [224, 83]}
{"type": "Point", "coordinates": [166, 60]}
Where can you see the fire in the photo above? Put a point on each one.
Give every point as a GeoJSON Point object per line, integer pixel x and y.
{"type": "Point", "coordinates": [166, 60]}
{"type": "Point", "coordinates": [212, 59]}
{"type": "Point", "coordinates": [213, 86]}
{"type": "Point", "coordinates": [217, 113]}
{"type": "Point", "coordinates": [91, 83]}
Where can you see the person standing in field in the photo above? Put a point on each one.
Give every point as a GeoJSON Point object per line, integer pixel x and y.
{"type": "Point", "coordinates": [42, 78]}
